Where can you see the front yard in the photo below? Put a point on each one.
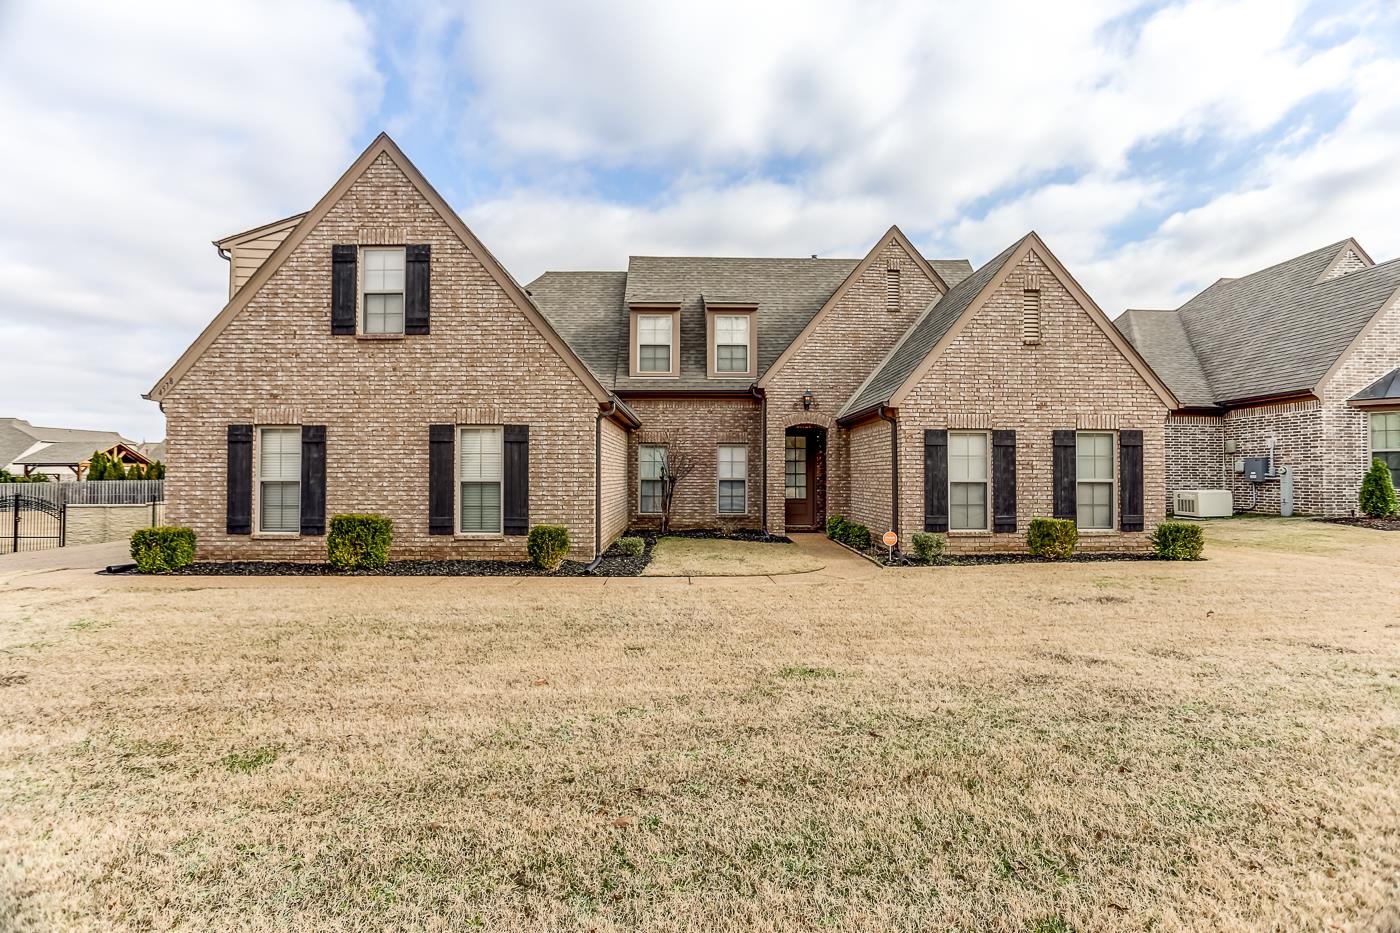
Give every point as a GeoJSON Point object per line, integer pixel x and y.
{"type": "Point", "coordinates": [1115, 746]}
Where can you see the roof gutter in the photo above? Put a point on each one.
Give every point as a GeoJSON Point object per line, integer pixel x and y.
{"type": "Point", "coordinates": [891, 415]}
{"type": "Point", "coordinates": [223, 253]}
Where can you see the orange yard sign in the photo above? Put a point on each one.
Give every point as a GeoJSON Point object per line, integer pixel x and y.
{"type": "Point", "coordinates": [891, 539]}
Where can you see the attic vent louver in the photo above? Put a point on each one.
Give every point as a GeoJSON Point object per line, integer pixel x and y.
{"type": "Point", "coordinates": [1030, 316]}
{"type": "Point", "coordinates": [892, 288]}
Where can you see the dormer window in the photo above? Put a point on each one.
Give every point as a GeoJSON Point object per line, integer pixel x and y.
{"type": "Point", "coordinates": [732, 343]}
{"type": "Point", "coordinates": [381, 297]}
{"type": "Point", "coordinates": [654, 343]}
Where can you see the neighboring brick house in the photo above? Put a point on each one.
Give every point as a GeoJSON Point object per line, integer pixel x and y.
{"type": "Point", "coordinates": [903, 392]}
{"type": "Point", "coordinates": [1297, 364]}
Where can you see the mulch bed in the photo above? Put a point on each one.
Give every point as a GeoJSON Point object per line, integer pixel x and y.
{"type": "Point", "coordinates": [614, 564]}
{"type": "Point", "coordinates": [1375, 524]}
{"type": "Point", "coordinates": [880, 556]}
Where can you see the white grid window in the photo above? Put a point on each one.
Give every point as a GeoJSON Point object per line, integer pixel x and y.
{"type": "Point", "coordinates": [383, 291]}
{"type": "Point", "coordinates": [733, 478]}
{"type": "Point", "coordinates": [654, 343]}
{"type": "Point", "coordinates": [479, 463]}
{"type": "Point", "coordinates": [732, 343]}
{"type": "Point", "coordinates": [651, 468]}
{"type": "Point", "coordinates": [795, 467]}
{"type": "Point", "coordinates": [1094, 473]}
{"type": "Point", "coordinates": [1385, 441]}
{"type": "Point", "coordinates": [279, 479]}
{"type": "Point", "coordinates": [967, 482]}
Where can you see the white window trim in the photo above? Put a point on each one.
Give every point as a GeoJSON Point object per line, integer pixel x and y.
{"type": "Point", "coordinates": [671, 346]}
{"type": "Point", "coordinates": [719, 479]}
{"type": "Point", "coordinates": [1371, 437]}
{"type": "Point", "coordinates": [362, 306]}
{"type": "Point", "coordinates": [457, 531]}
{"type": "Point", "coordinates": [666, 454]}
{"type": "Point", "coordinates": [1112, 484]}
{"type": "Point", "coordinates": [258, 531]}
{"type": "Point", "coordinates": [987, 483]}
{"type": "Point", "coordinates": [747, 346]}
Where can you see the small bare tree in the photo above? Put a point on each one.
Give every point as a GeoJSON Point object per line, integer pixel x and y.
{"type": "Point", "coordinates": [675, 468]}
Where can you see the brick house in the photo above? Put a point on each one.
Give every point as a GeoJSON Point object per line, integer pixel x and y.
{"type": "Point", "coordinates": [900, 391]}
{"type": "Point", "coordinates": [1295, 364]}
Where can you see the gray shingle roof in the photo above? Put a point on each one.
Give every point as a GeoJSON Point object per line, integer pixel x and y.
{"type": "Point", "coordinates": [915, 345]}
{"type": "Point", "coordinates": [585, 308]}
{"type": "Point", "coordinates": [68, 452]}
{"type": "Point", "coordinates": [1272, 332]}
{"type": "Point", "coordinates": [1160, 338]}
{"type": "Point", "coordinates": [14, 441]}
{"type": "Point", "coordinates": [953, 271]}
{"type": "Point", "coordinates": [1385, 388]}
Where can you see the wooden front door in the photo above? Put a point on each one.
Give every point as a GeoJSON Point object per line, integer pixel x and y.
{"type": "Point", "coordinates": [799, 474]}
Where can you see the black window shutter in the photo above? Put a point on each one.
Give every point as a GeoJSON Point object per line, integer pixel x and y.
{"type": "Point", "coordinates": [441, 448]}
{"type": "Point", "coordinates": [415, 283]}
{"type": "Point", "coordinates": [517, 479]}
{"type": "Point", "coordinates": [343, 288]}
{"type": "Point", "coordinates": [1130, 480]}
{"type": "Point", "coordinates": [1004, 481]}
{"type": "Point", "coordinates": [240, 479]}
{"type": "Point", "coordinates": [935, 480]}
{"type": "Point", "coordinates": [1065, 476]}
{"type": "Point", "coordinates": [313, 479]}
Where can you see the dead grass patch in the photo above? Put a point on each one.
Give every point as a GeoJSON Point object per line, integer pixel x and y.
{"type": "Point", "coordinates": [717, 557]}
{"type": "Point", "coordinates": [902, 751]}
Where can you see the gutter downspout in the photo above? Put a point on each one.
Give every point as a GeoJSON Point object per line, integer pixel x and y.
{"type": "Point", "coordinates": [759, 394]}
{"type": "Point", "coordinates": [598, 484]}
{"type": "Point", "coordinates": [896, 554]}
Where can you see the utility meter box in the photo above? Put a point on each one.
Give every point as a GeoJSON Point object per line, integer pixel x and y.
{"type": "Point", "coordinates": [1256, 469]}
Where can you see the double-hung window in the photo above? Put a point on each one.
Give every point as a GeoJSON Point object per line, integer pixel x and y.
{"type": "Point", "coordinates": [731, 343]}
{"type": "Point", "coordinates": [1094, 475]}
{"type": "Point", "coordinates": [479, 464]}
{"type": "Point", "coordinates": [651, 470]}
{"type": "Point", "coordinates": [733, 478]}
{"type": "Point", "coordinates": [382, 291]}
{"type": "Point", "coordinates": [279, 479]}
{"type": "Point", "coordinates": [967, 481]}
{"type": "Point", "coordinates": [654, 343]}
{"type": "Point", "coordinates": [1385, 441]}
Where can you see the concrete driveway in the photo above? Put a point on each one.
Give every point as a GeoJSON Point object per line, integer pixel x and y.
{"type": "Point", "coordinates": [80, 557]}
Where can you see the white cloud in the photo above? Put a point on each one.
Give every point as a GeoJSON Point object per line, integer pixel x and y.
{"type": "Point", "coordinates": [136, 134]}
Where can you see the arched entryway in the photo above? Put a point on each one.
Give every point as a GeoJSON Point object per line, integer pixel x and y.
{"type": "Point", "coordinates": [804, 477]}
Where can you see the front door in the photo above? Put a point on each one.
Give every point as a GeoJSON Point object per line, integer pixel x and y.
{"type": "Point", "coordinates": [799, 499]}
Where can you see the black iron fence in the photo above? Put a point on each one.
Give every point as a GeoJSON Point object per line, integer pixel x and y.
{"type": "Point", "coordinates": [30, 523]}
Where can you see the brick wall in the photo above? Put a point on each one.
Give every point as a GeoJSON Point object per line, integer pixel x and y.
{"type": "Point", "coordinates": [277, 362]}
{"type": "Point", "coordinates": [1295, 428]}
{"type": "Point", "coordinates": [1195, 454]}
{"type": "Point", "coordinates": [837, 357]}
{"type": "Point", "coordinates": [614, 480]}
{"type": "Point", "coordinates": [1074, 379]}
{"type": "Point", "coordinates": [869, 501]}
{"type": "Point", "coordinates": [697, 426]}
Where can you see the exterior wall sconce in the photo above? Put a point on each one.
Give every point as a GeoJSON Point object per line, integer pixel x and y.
{"type": "Point", "coordinates": [807, 400]}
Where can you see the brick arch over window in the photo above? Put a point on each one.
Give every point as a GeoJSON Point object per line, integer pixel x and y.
{"type": "Point", "coordinates": [815, 419]}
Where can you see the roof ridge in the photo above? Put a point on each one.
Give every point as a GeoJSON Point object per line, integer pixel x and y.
{"type": "Point", "coordinates": [1352, 275]}
{"type": "Point", "coordinates": [1230, 280]}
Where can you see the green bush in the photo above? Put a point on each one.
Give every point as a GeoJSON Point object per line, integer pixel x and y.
{"type": "Point", "coordinates": [547, 546]}
{"type": "Point", "coordinates": [162, 549]}
{"type": "Point", "coordinates": [855, 535]}
{"type": "Point", "coordinates": [632, 546]}
{"type": "Point", "coordinates": [359, 542]}
{"type": "Point", "coordinates": [1179, 541]}
{"type": "Point", "coordinates": [1054, 538]}
{"type": "Point", "coordinates": [928, 547]}
{"type": "Point", "coordinates": [1378, 492]}
{"type": "Point", "coordinates": [834, 525]}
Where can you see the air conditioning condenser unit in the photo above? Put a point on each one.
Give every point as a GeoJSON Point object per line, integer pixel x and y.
{"type": "Point", "coordinates": [1203, 503]}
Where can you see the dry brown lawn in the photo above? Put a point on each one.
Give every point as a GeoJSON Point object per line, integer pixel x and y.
{"type": "Point", "coordinates": [1134, 746]}
{"type": "Point", "coordinates": [710, 557]}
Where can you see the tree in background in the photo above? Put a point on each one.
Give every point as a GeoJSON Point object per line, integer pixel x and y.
{"type": "Point", "coordinates": [98, 467]}
{"type": "Point", "coordinates": [1378, 492]}
{"type": "Point", "coordinates": [676, 467]}
{"type": "Point", "coordinates": [7, 477]}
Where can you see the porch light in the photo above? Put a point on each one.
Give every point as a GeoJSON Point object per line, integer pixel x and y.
{"type": "Point", "coordinates": [807, 400]}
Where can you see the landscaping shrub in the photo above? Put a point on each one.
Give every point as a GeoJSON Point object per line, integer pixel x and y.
{"type": "Point", "coordinates": [359, 542]}
{"type": "Point", "coordinates": [856, 535]}
{"type": "Point", "coordinates": [1179, 541]}
{"type": "Point", "coordinates": [1054, 538]}
{"type": "Point", "coordinates": [162, 549]}
{"type": "Point", "coordinates": [834, 525]}
{"type": "Point", "coordinates": [547, 546]}
{"type": "Point", "coordinates": [928, 547]}
{"type": "Point", "coordinates": [1378, 492]}
{"type": "Point", "coordinates": [632, 546]}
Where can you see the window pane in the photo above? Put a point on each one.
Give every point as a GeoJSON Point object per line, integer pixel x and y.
{"type": "Point", "coordinates": [795, 467]}
{"type": "Point", "coordinates": [967, 506]}
{"type": "Point", "coordinates": [481, 507]}
{"type": "Point", "coordinates": [731, 495]}
{"type": "Point", "coordinates": [967, 458]}
{"type": "Point", "coordinates": [733, 462]}
{"type": "Point", "coordinates": [383, 270]}
{"type": "Point", "coordinates": [279, 454]}
{"type": "Point", "coordinates": [651, 496]}
{"type": "Point", "coordinates": [280, 506]}
{"type": "Point", "coordinates": [1095, 505]}
{"type": "Point", "coordinates": [654, 328]}
{"type": "Point", "coordinates": [654, 358]}
{"type": "Point", "coordinates": [1385, 431]}
{"type": "Point", "coordinates": [384, 314]}
{"type": "Point", "coordinates": [732, 329]}
{"type": "Point", "coordinates": [1392, 460]}
{"type": "Point", "coordinates": [479, 452]}
{"type": "Point", "coordinates": [651, 461]}
{"type": "Point", "coordinates": [1095, 456]}
{"type": "Point", "coordinates": [732, 359]}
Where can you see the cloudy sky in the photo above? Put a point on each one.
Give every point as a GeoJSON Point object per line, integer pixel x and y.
{"type": "Point", "coordinates": [1155, 145]}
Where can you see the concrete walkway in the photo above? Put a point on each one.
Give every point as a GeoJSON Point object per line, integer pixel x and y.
{"type": "Point", "coordinates": [79, 557]}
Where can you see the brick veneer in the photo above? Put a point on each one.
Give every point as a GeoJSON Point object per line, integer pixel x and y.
{"type": "Point", "coordinates": [277, 362]}
{"type": "Point", "coordinates": [869, 503]}
{"type": "Point", "coordinates": [988, 378]}
{"type": "Point", "coordinates": [836, 358]}
{"type": "Point", "coordinates": [1347, 430]}
{"type": "Point", "coordinates": [1195, 454]}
